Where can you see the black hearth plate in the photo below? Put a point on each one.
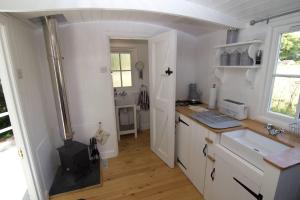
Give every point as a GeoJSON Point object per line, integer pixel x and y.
{"type": "Point", "coordinates": [66, 181]}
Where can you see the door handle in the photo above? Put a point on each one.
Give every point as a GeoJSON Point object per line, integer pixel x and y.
{"type": "Point", "coordinates": [212, 174]}
{"type": "Point", "coordinates": [180, 120]}
{"type": "Point", "coordinates": [257, 196]}
{"type": "Point", "coordinates": [169, 71]}
{"type": "Point", "coordinates": [204, 150]}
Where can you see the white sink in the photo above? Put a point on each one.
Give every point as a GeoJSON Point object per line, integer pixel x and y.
{"type": "Point", "coordinates": [251, 146]}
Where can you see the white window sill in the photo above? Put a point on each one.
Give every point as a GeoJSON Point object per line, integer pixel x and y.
{"type": "Point", "coordinates": [279, 121]}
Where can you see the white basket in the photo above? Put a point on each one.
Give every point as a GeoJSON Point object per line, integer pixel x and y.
{"type": "Point", "coordinates": [294, 128]}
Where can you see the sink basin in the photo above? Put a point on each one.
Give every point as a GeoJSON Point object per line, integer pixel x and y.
{"type": "Point", "coordinates": [251, 146]}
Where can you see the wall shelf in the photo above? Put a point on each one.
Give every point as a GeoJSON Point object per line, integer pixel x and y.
{"type": "Point", "coordinates": [238, 66]}
{"type": "Point", "coordinates": [240, 44]}
{"type": "Point", "coordinates": [250, 46]}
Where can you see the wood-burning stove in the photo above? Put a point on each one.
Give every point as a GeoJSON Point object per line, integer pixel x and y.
{"type": "Point", "coordinates": [74, 157]}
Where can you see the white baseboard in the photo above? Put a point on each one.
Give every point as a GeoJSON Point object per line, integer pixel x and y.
{"type": "Point", "coordinates": [108, 154]}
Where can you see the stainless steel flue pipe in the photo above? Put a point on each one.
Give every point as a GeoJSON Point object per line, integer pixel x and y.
{"type": "Point", "coordinates": [56, 71]}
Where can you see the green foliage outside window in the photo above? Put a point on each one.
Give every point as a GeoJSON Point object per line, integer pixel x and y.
{"type": "Point", "coordinates": [286, 89]}
{"type": "Point", "coordinates": [290, 47]}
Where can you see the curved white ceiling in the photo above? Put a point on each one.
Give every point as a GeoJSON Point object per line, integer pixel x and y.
{"type": "Point", "coordinates": [195, 17]}
{"type": "Point", "coordinates": [184, 24]}
{"type": "Point", "coordinates": [179, 14]}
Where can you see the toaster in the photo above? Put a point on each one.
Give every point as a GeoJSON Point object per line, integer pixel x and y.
{"type": "Point", "coordinates": [233, 109]}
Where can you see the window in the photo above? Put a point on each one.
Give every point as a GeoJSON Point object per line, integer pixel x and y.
{"type": "Point", "coordinates": [121, 69]}
{"type": "Point", "coordinates": [286, 76]}
{"type": "Point", "coordinates": [5, 126]}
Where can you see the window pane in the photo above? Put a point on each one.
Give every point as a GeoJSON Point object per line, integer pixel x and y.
{"type": "Point", "coordinates": [4, 122]}
{"type": "Point", "coordinates": [289, 54]}
{"type": "Point", "coordinates": [2, 101]}
{"type": "Point", "coordinates": [285, 95]}
{"type": "Point", "coordinates": [125, 61]}
{"type": "Point", "coordinates": [116, 78]}
{"type": "Point", "coordinates": [115, 61]}
{"type": "Point", "coordinates": [126, 78]}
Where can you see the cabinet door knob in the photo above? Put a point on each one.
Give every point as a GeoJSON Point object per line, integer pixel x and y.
{"type": "Point", "coordinates": [208, 140]}
{"type": "Point", "coordinates": [204, 150]}
{"type": "Point", "coordinates": [212, 159]}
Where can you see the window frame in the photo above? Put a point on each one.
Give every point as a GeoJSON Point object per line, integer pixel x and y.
{"type": "Point", "coordinates": [275, 39]}
{"type": "Point", "coordinates": [120, 51]}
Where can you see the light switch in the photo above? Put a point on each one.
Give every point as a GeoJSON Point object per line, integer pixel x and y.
{"type": "Point", "coordinates": [103, 70]}
{"type": "Point", "coordinates": [19, 73]}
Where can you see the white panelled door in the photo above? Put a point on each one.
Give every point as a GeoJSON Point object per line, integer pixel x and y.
{"type": "Point", "coordinates": [162, 62]}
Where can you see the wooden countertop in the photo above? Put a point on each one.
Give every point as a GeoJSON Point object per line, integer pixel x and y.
{"type": "Point", "coordinates": [281, 160]}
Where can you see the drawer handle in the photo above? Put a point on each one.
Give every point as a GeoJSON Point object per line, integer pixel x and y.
{"type": "Point", "coordinates": [180, 120]}
{"type": "Point", "coordinates": [257, 196]}
{"type": "Point", "coordinates": [211, 158]}
{"type": "Point", "coordinates": [208, 140]}
{"type": "Point", "coordinates": [204, 150]}
{"type": "Point", "coordinates": [212, 174]}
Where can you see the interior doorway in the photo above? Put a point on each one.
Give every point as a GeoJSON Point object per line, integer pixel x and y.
{"type": "Point", "coordinates": [18, 174]}
{"type": "Point", "coordinates": [162, 57]}
{"type": "Point", "coordinates": [130, 79]}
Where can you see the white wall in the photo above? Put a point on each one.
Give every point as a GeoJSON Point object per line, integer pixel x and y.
{"type": "Point", "coordinates": [139, 53]}
{"type": "Point", "coordinates": [186, 64]}
{"type": "Point", "coordinates": [85, 49]}
{"type": "Point", "coordinates": [24, 54]}
{"type": "Point", "coordinates": [234, 85]}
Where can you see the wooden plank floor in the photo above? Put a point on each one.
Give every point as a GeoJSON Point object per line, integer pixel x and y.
{"type": "Point", "coordinates": [138, 174]}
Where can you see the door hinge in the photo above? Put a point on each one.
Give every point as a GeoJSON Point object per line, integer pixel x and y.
{"type": "Point", "coordinates": [257, 196]}
{"type": "Point", "coordinates": [20, 153]}
{"type": "Point", "coordinates": [181, 163]}
{"type": "Point", "coordinates": [180, 120]}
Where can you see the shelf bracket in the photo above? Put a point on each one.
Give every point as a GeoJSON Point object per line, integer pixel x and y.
{"type": "Point", "coordinates": [219, 74]}
{"type": "Point", "coordinates": [250, 76]}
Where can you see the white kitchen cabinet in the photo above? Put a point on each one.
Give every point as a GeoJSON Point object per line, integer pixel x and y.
{"type": "Point", "coordinates": [183, 135]}
{"type": "Point", "coordinates": [227, 184]}
{"type": "Point", "coordinates": [198, 153]}
{"type": "Point", "coordinates": [195, 153]}
{"type": "Point", "coordinates": [235, 179]}
{"type": "Point", "coordinates": [209, 180]}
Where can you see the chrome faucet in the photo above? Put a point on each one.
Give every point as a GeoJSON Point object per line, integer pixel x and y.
{"type": "Point", "coordinates": [274, 131]}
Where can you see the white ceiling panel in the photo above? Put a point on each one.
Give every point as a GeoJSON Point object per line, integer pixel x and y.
{"type": "Point", "coordinates": [247, 10]}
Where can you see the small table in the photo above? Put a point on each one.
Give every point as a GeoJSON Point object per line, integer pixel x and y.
{"type": "Point", "coordinates": [128, 128]}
